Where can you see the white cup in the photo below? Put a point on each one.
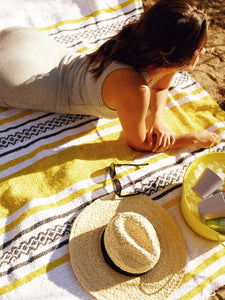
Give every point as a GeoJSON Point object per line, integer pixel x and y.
{"type": "Point", "coordinates": [208, 182]}
{"type": "Point", "coordinates": [212, 207]}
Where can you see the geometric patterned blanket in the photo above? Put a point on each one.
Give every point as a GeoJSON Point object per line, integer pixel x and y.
{"type": "Point", "coordinates": [53, 165]}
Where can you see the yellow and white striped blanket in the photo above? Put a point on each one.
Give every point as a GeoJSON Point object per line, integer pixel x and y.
{"type": "Point", "coordinates": [52, 165]}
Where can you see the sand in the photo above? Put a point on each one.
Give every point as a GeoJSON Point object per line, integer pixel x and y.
{"type": "Point", "coordinates": [210, 71]}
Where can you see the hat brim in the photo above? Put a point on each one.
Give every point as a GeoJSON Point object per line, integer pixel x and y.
{"type": "Point", "coordinates": [99, 279]}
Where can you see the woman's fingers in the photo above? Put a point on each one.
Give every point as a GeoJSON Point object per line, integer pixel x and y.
{"type": "Point", "coordinates": [160, 141]}
{"type": "Point", "coordinates": [164, 142]}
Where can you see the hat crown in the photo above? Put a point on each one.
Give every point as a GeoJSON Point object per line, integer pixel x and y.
{"type": "Point", "coordinates": [131, 243]}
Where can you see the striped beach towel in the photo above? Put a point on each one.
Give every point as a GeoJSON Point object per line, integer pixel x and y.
{"type": "Point", "coordinates": [52, 165]}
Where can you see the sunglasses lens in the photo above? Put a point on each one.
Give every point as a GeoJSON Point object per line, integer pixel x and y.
{"type": "Point", "coordinates": [112, 171]}
{"type": "Point", "coordinates": [117, 186]}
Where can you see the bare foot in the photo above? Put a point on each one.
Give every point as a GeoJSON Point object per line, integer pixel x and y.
{"type": "Point", "coordinates": [205, 138]}
{"type": "Point", "coordinates": [201, 139]}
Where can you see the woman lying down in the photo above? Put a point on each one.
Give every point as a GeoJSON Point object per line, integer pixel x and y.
{"type": "Point", "coordinates": [38, 73]}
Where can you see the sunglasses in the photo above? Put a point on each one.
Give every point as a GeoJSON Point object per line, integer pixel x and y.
{"type": "Point", "coordinates": [116, 183]}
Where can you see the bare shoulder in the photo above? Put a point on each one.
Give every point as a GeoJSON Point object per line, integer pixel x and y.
{"type": "Point", "coordinates": [125, 87]}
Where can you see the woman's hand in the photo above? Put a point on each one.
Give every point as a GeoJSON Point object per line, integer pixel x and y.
{"type": "Point", "coordinates": [160, 137]}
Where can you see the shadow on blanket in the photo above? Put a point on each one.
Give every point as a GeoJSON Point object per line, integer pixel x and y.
{"type": "Point", "coordinates": [66, 167]}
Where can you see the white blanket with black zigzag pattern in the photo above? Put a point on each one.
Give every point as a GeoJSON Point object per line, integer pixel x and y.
{"type": "Point", "coordinates": [52, 165]}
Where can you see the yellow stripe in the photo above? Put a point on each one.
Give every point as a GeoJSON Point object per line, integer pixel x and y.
{"type": "Point", "coordinates": [190, 117]}
{"type": "Point", "coordinates": [219, 130]}
{"type": "Point", "coordinates": [39, 208]}
{"type": "Point", "coordinates": [59, 168]}
{"type": "Point", "coordinates": [185, 94]}
{"type": "Point", "coordinates": [31, 276]}
{"type": "Point", "coordinates": [199, 288]}
{"type": "Point", "coordinates": [211, 259]}
{"type": "Point", "coordinates": [94, 14]}
{"type": "Point", "coordinates": [85, 49]}
{"type": "Point", "coordinates": [17, 116]}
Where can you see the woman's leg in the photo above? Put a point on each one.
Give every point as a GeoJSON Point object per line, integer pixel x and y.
{"type": "Point", "coordinates": [29, 62]}
{"type": "Point", "coordinates": [200, 139]}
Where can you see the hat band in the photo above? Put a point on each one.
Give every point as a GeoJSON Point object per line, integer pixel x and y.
{"type": "Point", "coordinates": [111, 263]}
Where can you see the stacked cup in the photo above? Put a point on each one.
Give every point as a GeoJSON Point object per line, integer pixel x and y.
{"type": "Point", "coordinates": [212, 208]}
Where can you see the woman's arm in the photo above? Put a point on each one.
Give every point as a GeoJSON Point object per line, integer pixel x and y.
{"type": "Point", "coordinates": [159, 136]}
{"type": "Point", "coordinates": [126, 91]}
{"type": "Point", "coordinates": [133, 118]}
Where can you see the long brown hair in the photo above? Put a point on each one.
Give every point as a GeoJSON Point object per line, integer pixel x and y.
{"type": "Point", "coordinates": [167, 34]}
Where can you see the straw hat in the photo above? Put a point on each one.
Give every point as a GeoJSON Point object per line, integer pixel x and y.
{"type": "Point", "coordinates": [129, 248]}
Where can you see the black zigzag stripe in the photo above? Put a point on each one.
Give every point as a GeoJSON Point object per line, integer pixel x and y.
{"type": "Point", "coordinates": [42, 239]}
{"type": "Point", "coordinates": [47, 137]}
{"type": "Point", "coordinates": [28, 133]}
{"type": "Point", "coordinates": [183, 86]}
{"type": "Point", "coordinates": [33, 258]}
{"type": "Point", "coordinates": [26, 123]}
{"type": "Point", "coordinates": [168, 178]}
{"type": "Point", "coordinates": [93, 36]}
{"type": "Point", "coordinates": [45, 221]}
{"type": "Point", "coordinates": [161, 181]}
